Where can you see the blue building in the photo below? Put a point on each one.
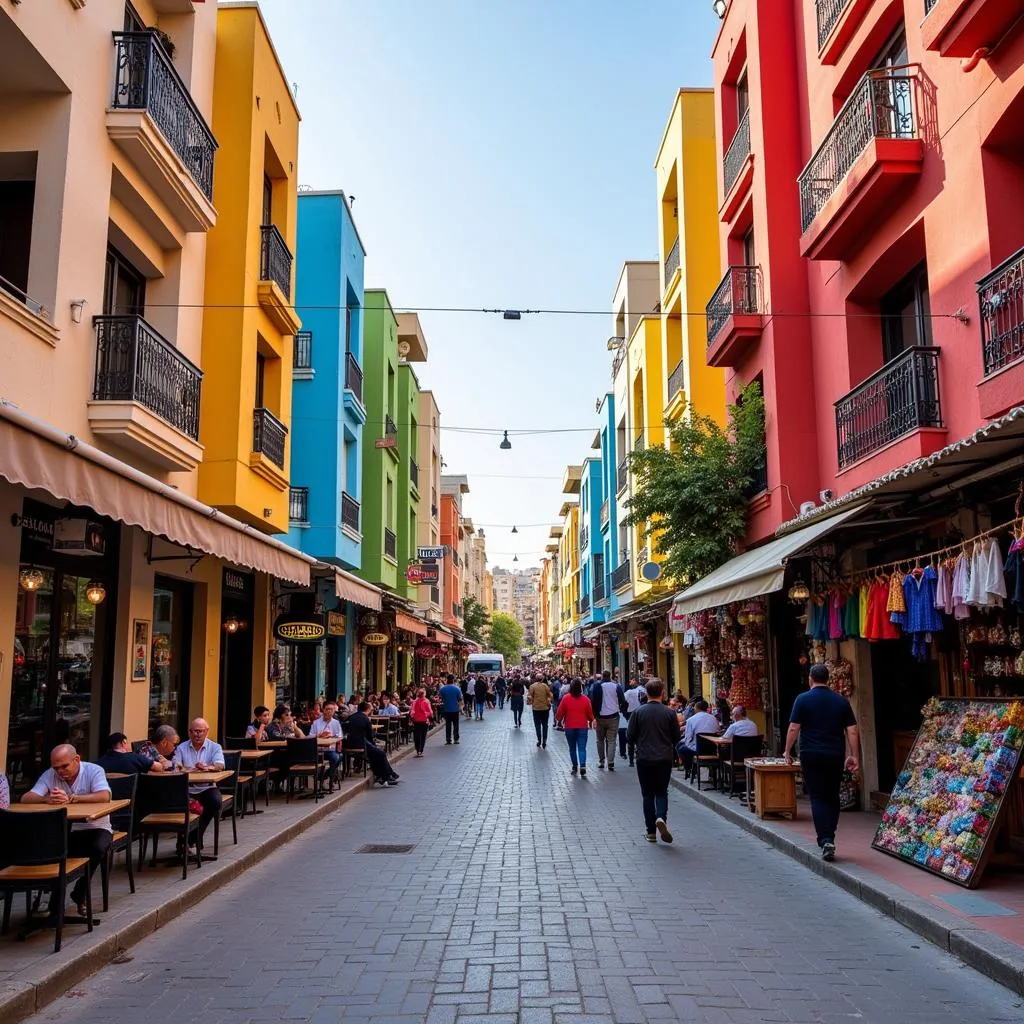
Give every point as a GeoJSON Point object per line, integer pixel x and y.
{"type": "Point", "coordinates": [591, 547]}
{"type": "Point", "coordinates": [605, 550]}
{"type": "Point", "coordinates": [328, 416]}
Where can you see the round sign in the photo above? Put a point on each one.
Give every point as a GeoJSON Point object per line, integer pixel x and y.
{"type": "Point", "coordinates": [375, 639]}
{"type": "Point", "coordinates": [651, 571]}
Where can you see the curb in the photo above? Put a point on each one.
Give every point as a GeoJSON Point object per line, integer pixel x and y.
{"type": "Point", "coordinates": [991, 955]}
{"type": "Point", "coordinates": [20, 999]}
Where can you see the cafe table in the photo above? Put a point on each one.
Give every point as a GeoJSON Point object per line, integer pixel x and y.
{"type": "Point", "coordinates": [771, 784]}
{"type": "Point", "coordinates": [77, 813]}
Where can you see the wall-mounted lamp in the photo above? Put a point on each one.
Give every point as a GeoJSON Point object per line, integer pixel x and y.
{"type": "Point", "coordinates": [232, 625]}
{"type": "Point", "coordinates": [719, 8]}
{"type": "Point", "coordinates": [95, 592]}
{"type": "Point", "coordinates": [77, 308]}
{"type": "Point", "coordinates": [506, 444]}
{"type": "Point", "coordinates": [30, 579]}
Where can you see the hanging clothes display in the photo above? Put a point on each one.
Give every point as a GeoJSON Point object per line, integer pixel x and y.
{"type": "Point", "coordinates": [922, 618]}
{"type": "Point", "coordinates": [1014, 570]}
{"type": "Point", "coordinates": [879, 624]}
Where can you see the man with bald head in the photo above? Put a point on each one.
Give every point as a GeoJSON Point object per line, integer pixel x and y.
{"type": "Point", "coordinates": [200, 754]}
{"type": "Point", "coordinates": [70, 780]}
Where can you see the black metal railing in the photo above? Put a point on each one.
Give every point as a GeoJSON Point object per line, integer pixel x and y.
{"type": "Point", "coordinates": [390, 543]}
{"type": "Point", "coordinates": [677, 380]}
{"type": "Point", "coordinates": [457, 611]}
{"type": "Point", "coordinates": [136, 364]}
{"type": "Point", "coordinates": [880, 107]}
{"type": "Point", "coordinates": [620, 576]}
{"type": "Point", "coordinates": [275, 259]}
{"type": "Point", "coordinates": [739, 292]}
{"type": "Point", "coordinates": [435, 595]}
{"type": "Point", "coordinates": [390, 429]}
{"type": "Point", "coordinates": [414, 473]}
{"type": "Point", "coordinates": [672, 261]}
{"type": "Point", "coordinates": [622, 475]}
{"type": "Point", "coordinates": [145, 79]}
{"type": "Point", "coordinates": [599, 591]}
{"type": "Point", "coordinates": [928, 5]}
{"type": "Point", "coordinates": [298, 504]}
{"type": "Point", "coordinates": [737, 153]}
{"type": "Point", "coordinates": [604, 513]}
{"type": "Point", "coordinates": [1001, 298]}
{"type": "Point", "coordinates": [584, 538]}
{"type": "Point", "coordinates": [349, 511]}
{"type": "Point", "coordinates": [638, 443]}
{"type": "Point", "coordinates": [828, 12]}
{"type": "Point", "coordinates": [353, 376]}
{"type": "Point", "coordinates": [758, 480]}
{"type": "Point", "coordinates": [901, 397]}
{"type": "Point", "coordinates": [302, 351]}
{"type": "Point", "coordinates": [583, 605]}
{"type": "Point", "coordinates": [268, 434]}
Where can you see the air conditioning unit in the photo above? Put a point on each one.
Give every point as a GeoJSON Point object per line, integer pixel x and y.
{"type": "Point", "coordinates": [807, 506]}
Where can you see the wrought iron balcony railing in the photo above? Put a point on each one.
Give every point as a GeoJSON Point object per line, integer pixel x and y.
{"type": "Point", "coordinates": [621, 576]}
{"type": "Point", "coordinates": [759, 481]}
{"type": "Point", "coordinates": [599, 589]}
{"type": "Point", "coordinates": [672, 261]}
{"type": "Point", "coordinates": [880, 107]}
{"type": "Point", "coordinates": [302, 351]}
{"type": "Point", "coordinates": [390, 543]}
{"type": "Point", "coordinates": [353, 376]}
{"type": "Point", "coordinates": [275, 259]}
{"type": "Point", "coordinates": [928, 5]}
{"type": "Point", "coordinates": [622, 475]}
{"type": "Point", "coordinates": [901, 397]}
{"type": "Point", "coordinates": [677, 380]}
{"type": "Point", "coordinates": [737, 153]}
{"type": "Point", "coordinates": [828, 13]}
{"type": "Point", "coordinates": [349, 511]}
{"type": "Point", "coordinates": [638, 443]}
{"type": "Point", "coordinates": [268, 434]}
{"type": "Point", "coordinates": [584, 539]}
{"type": "Point", "coordinates": [145, 79]}
{"type": "Point", "coordinates": [298, 505]}
{"type": "Point", "coordinates": [1001, 297]}
{"type": "Point", "coordinates": [583, 605]}
{"type": "Point", "coordinates": [739, 292]}
{"type": "Point", "coordinates": [604, 513]}
{"type": "Point", "coordinates": [414, 473]}
{"type": "Point", "coordinates": [136, 364]}
{"type": "Point", "coordinates": [389, 426]}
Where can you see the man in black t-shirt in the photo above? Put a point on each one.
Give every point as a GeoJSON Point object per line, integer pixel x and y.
{"type": "Point", "coordinates": [824, 723]}
{"type": "Point", "coordinates": [120, 759]}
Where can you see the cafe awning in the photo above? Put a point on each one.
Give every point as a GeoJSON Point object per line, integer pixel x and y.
{"type": "Point", "coordinates": [442, 637]}
{"type": "Point", "coordinates": [351, 588]}
{"type": "Point", "coordinates": [40, 456]}
{"type": "Point", "coordinates": [410, 624]}
{"type": "Point", "coordinates": [755, 572]}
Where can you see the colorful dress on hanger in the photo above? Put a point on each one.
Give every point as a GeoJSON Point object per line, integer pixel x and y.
{"type": "Point", "coordinates": [921, 618]}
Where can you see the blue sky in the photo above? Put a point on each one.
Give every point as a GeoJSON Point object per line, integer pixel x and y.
{"type": "Point", "coordinates": [500, 153]}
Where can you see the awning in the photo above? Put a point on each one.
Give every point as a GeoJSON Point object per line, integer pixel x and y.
{"type": "Point", "coordinates": [351, 588]}
{"type": "Point", "coordinates": [442, 637]}
{"type": "Point", "coordinates": [40, 456]}
{"type": "Point", "coordinates": [592, 634]}
{"type": "Point", "coordinates": [410, 624]}
{"type": "Point", "coordinates": [758, 571]}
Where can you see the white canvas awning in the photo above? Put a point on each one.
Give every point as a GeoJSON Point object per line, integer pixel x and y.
{"type": "Point", "coordinates": [755, 572]}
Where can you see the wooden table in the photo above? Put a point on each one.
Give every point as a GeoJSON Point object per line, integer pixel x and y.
{"type": "Point", "coordinates": [197, 778]}
{"type": "Point", "coordinates": [77, 812]}
{"type": "Point", "coordinates": [255, 755]}
{"type": "Point", "coordinates": [773, 784]}
{"type": "Point", "coordinates": [272, 744]}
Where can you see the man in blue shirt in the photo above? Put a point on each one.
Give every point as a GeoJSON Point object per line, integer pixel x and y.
{"type": "Point", "coordinates": [451, 705]}
{"type": "Point", "coordinates": [824, 723]}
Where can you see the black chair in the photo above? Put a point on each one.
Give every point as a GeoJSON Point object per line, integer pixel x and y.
{"type": "Point", "coordinates": [352, 759]}
{"type": "Point", "coordinates": [240, 742]}
{"type": "Point", "coordinates": [163, 802]}
{"type": "Point", "coordinates": [303, 762]}
{"type": "Point", "coordinates": [34, 857]}
{"type": "Point", "coordinates": [123, 822]}
{"type": "Point", "coordinates": [137, 745]}
{"type": "Point", "coordinates": [740, 749]}
{"type": "Point", "coordinates": [707, 757]}
{"type": "Point", "coordinates": [229, 789]}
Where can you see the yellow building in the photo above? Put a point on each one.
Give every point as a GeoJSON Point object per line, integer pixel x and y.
{"type": "Point", "coordinates": [569, 549]}
{"type": "Point", "coordinates": [250, 319]}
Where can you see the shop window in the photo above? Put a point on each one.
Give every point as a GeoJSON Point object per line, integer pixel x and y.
{"type": "Point", "coordinates": [171, 654]}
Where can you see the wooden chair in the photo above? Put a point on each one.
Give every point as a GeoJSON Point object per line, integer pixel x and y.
{"type": "Point", "coordinates": [34, 855]}
{"type": "Point", "coordinates": [303, 762]}
{"type": "Point", "coordinates": [121, 788]}
{"type": "Point", "coordinates": [229, 797]}
{"type": "Point", "coordinates": [707, 757]}
{"type": "Point", "coordinates": [741, 748]}
{"type": "Point", "coordinates": [352, 759]}
{"type": "Point", "coordinates": [164, 807]}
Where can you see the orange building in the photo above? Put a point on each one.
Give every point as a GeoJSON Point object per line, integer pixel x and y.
{"type": "Point", "coordinates": [452, 490]}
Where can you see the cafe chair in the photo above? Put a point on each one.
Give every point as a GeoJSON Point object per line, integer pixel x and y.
{"type": "Point", "coordinates": [352, 760]}
{"type": "Point", "coordinates": [137, 745]}
{"type": "Point", "coordinates": [34, 855]}
{"type": "Point", "coordinates": [303, 763]}
{"type": "Point", "coordinates": [164, 807]}
{"type": "Point", "coordinates": [123, 822]}
{"type": "Point", "coordinates": [240, 742]}
{"type": "Point", "coordinates": [707, 757]}
{"type": "Point", "coordinates": [733, 767]}
{"type": "Point", "coordinates": [229, 789]}
{"type": "Point", "coordinates": [250, 778]}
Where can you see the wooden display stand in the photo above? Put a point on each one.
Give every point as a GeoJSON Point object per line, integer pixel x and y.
{"type": "Point", "coordinates": [772, 784]}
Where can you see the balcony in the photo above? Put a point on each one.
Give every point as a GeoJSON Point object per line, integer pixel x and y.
{"type": "Point", "coordinates": [622, 475]}
{"type": "Point", "coordinates": [583, 605]}
{"type": "Point", "coordinates": [302, 356]}
{"type": "Point", "coordinates": [604, 513]}
{"type": "Point", "coordinates": [621, 575]}
{"type": "Point", "coordinates": [758, 481]}
{"type": "Point", "coordinates": [1001, 299]}
{"type": "Point", "coordinates": [677, 382]}
{"type": "Point", "coordinates": [153, 120]}
{"type": "Point", "coordinates": [349, 513]}
{"type": "Point", "coordinates": [838, 22]}
{"type": "Point", "coordinates": [584, 538]}
{"type": "Point", "coordinates": [737, 169]}
{"type": "Point", "coordinates": [275, 284]}
{"type": "Point", "coordinates": [900, 398]}
{"type": "Point", "coordinates": [872, 150]}
{"type": "Point", "coordinates": [827, 13]}
{"type": "Point", "coordinates": [268, 443]}
{"type": "Point", "coordinates": [734, 316]}
{"type": "Point", "coordinates": [298, 506]}
{"type": "Point", "coordinates": [146, 394]}
{"type": "Point", "coordinates": [671, 262]}
{"type": "Point", "coordinates": [353, 376]}
{"type": "Point", "coordinates": [390, 545]}
{"type": "Point", "coordinates": [414, 475]}
{"type": "Point", "coordinates": [957, 28]}
{"type": "Point", "coordinates": [599, 589]}
{"type": "Point", "coordinates": [638, 443]}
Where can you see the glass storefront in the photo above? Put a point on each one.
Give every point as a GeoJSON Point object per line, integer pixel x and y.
{"type": "Point", "coordinates": [171, 654]}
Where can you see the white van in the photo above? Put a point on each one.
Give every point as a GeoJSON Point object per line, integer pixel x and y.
{"type": "Point", "coordinates": [491, 664]}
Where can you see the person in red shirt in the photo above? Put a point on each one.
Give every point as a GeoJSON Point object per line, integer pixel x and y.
{"type": "Point", "coordinates": [421, 712]}
{"type": "Point", "coordinates": [576, 713]}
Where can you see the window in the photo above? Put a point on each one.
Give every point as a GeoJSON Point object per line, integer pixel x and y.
{"type": "Point", "coordinates": [17, 198]}
{"type": "Point", "coordinates": [906, 314]}
{"type": "Point", "coordinates": [132, 21]}
{"type": "Point", "coordinates": [268, 200]}
{"type": "Point", "coordinates": [749, 252]}
{"type": "Point", "coordinates": [742, 96]}
{"type": "Point", "coordinates": [124, 288]}
{"type": "Point", "coordinates": [261, 371]}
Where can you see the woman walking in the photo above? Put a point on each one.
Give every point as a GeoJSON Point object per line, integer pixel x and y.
{"type": "Point", "coordinates": [576, 714]}
{"type": "Point", "coordinates": [421, 712]}
{"type": "Point", "coordinates": [516, 698]}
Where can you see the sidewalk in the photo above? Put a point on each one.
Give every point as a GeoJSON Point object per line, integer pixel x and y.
{"type": "Point", "coordinates": [983, 927]}
{"type": "Point", "coordinates": [32, 975]}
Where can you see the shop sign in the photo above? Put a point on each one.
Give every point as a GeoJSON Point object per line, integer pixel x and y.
{"type": "Point", "coordinates": [414, 573]}
{"type": "Point", "coordinates": [235, 583]}
{"type": "Point", "coordinates": [431, 554]}
{"type": "Point", "coordinates": [386, 442]}
{"type": "Point", "coordinates": [299, 628]}
{"type": "Point", "coordinates": [429, 575]}
{"type": "Point", "coordinates": [373, 639]}
{"type": "Point", "coordinates": [337, 624]}
{"type": "Point", "coordinates": [79, 536]}
{"type": "Point", "coordinates": [37, 529]}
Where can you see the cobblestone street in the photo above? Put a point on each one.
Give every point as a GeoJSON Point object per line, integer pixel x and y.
{"type": "Point", "coordinates": [530, 897]}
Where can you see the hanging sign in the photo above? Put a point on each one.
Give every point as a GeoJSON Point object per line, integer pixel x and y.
{"type": "Point", "coordinates": [236, 583]}
{"type": "Point", "coordinates": [429, 575]}
{"type": "Point", "coordinates": [337, 624]}
{"type": "Point", "coordinates": [386, 442]}
{"type": "Point", "coordinates": [78, 536]}
{"type": "Point", "coordinates": [414, 573]}
{"type": "Point", "coordinates": [430, 554]}
{"type": "Point", "coordinates": [299, 628]}
{"type": "Point", "coordinates": [373, 639]}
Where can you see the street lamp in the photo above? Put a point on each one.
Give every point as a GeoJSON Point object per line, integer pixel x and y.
{"type": "Point", "coordinates": [506, 444]}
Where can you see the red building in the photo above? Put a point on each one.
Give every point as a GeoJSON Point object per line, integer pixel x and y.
{"type": "Point", "coordinates": [452, 490]}
{"type": "Point", "coordinates": [872, 224]}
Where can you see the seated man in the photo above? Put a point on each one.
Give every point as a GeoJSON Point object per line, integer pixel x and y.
{"type": "Point", "coordinates": [359, 736]}
{"type": "Point", "coordinates": [328, 725]}
{"type": "Point", "coordinates": [162, 746]}
{"type": "Point", "coordinates": [387, 707]}
{"type": "Point", "coordinates": [284, 726]}
{"type": "Point", "coordinates": [120, 759]}
{"type": "Point", "coordinates": [70, 780]}
{"type": "Point", "coordinates": [700, 722]}
{"type": "Point", "coordinates": [257, 728]}
{"type": "Point", "coordinates": [200, 754]}
{"type": "Point", "coordinates": [741, 725]}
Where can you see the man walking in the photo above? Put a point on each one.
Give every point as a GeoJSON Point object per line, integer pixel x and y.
{"type": "Point", "coordinates": [500, 686]}
{"type": "Point", "coordinates": [540, 698]}
{"type": "Point", "coordinates": [825, 725]}
{"type": "Point", "coordinates": [480, 696]}
{"type": "Point", "coordinates": [608, 699]}
{"type": "Point", "coordinates": [635, 696]}
{"type": "Point", "coordinates": [654, 728]}
{"type": "Point", "coordinates": [516, 696]}
{"type": "Point", "coordinates": [451, 705]}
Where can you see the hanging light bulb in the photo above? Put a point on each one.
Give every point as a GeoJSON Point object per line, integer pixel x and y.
{"type": "Point", "coordinates": [30, 579]}
{"type": "Point", "coordinates": [515, 558]}
{"type": "Point", "coordinates": [95, 592]}
{"type": "Point", "coordinates": [232, 625]}
{"type": "Point", "coordinates": [506, 444]}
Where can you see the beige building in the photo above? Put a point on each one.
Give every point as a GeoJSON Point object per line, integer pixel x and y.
{"type": "Point", "coordinates": [428, 513]}
{"type": "Point", "coordinates": [518, 594]}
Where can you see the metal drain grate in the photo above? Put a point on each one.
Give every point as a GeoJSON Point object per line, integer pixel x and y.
{"type": "Point", "coordinates": [387, 848]}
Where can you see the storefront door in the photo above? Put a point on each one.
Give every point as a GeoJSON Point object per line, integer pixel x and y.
{"type": "Point", "coordinates": [236, 652]}
{"type": "Point", "coordinates": [172, 654]}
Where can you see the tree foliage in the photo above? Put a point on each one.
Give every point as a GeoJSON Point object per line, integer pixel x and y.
{"type": "Point", "coordinates": [506, 637]}
{"type": "Point", "coordinates": [691, 498]}
{"type": "Point", "coordinates": [475, 619]}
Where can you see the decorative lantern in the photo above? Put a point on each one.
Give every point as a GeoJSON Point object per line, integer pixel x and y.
{"type": "Point", "coordinates": [799, 592]}
{"type": "Point", "coordinates": [95, 592]}
{"type": "Point", "coordinates": [31, 579]}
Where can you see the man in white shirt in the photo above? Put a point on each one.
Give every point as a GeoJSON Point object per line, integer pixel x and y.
{"type": "Point", "coordinates": [699, 723]}
{"type": "Point", "coordinates": [605, 695]}
{"type": "Point", "coordinates": [200, 754]}
{"type": "Point", "coordinates": [328, 725]}
{"type": "Point", "coordinates": [741, 725]}
{"type": "Point", "coordinates": [387, 708]}
{"type": "Point", "coordinates": [635, 696]}
{"type": "Point", "coordinates": [70, 780]}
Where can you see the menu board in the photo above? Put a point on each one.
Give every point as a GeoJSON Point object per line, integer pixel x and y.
{"type": "Point", "coordinates": [945, 807]}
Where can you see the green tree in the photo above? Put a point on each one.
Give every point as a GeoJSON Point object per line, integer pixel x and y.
{"type": "Point", "coordinates": [691, 498]}
{"type": "Point", "coordinates": [506, 637]}
{"type": "Point", "coordinates": [475, 619]}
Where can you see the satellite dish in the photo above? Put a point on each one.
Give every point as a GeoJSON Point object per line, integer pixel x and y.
{"type": "Point", "coordinates": [651, 571]}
